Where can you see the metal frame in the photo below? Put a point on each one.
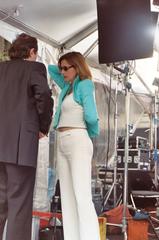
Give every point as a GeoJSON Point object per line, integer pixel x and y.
{"type": "Point", "coordinates": [155, 140]}
{"type": "Point", "coordinates": [79, 36]}
{"type": "Point", "coordinates": [125, 190]}
{"type": "Point", "coordinates": [20, 25]}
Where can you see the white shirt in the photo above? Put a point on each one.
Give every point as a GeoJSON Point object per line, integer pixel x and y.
{"type": "Point", "coordinates": [71, 113]}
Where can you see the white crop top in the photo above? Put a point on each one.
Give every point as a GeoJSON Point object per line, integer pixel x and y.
{"type": "Point", "coordinates": [71, 113]}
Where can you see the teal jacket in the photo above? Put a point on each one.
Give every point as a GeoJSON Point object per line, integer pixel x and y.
{"type": "Point", "coordinates": [83, 93]}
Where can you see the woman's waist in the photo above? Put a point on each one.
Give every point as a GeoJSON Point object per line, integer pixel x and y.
{"type": "Point", "coordinates": [67, 124]}
{"type": "Point", "coordinates": [63, 129]}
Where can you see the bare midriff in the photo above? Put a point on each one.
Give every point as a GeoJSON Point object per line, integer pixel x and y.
{"type": "Point", "coordinates": [62, 129]}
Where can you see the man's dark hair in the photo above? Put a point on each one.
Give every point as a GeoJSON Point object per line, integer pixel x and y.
{"type": "Point", "coordinates": [21, 46]}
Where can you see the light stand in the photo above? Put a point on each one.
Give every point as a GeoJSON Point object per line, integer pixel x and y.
{"type": "Point", "coordinates": [126, 155]}
{"type": "Point", "coordinates": [155, 154]}
{"type": "Point", "coordinates": [115, 142]}
{"type": "Point", "coordinates": [155, 141]}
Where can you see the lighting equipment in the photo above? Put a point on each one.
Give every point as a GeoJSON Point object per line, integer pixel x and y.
{"type": "Point", "coordinates": [126, 30]}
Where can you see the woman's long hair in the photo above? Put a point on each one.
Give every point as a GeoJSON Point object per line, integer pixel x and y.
{"type": "Point", "coordinates": [77, 60]}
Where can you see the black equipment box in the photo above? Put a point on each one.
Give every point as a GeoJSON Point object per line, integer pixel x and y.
{"type": "Point", "coordinates": [134, 143]}
{"type": "Point", "coordinates": [137, 159]}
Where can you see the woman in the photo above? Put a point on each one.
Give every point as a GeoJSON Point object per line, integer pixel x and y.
{"type": "Point", "coordinates": [76, 121]}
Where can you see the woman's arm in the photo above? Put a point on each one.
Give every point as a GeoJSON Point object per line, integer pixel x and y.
{"type": "Point", "coordinates": [56, 76]}
{"type": "Point", "coordinates": [88, 101]}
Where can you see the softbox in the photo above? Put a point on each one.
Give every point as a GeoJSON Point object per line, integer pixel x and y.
{"type": "Point", "coordinates": [126, 30]}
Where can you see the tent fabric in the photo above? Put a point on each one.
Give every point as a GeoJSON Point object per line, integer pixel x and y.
{"type": "Point", "coordinates": [68, 25]}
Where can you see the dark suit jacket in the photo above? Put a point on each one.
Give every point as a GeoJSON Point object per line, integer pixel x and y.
{"type": "Point", "coordinates": [25, 109]}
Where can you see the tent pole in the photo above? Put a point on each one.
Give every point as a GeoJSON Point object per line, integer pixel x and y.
{"type": "Point", "coordinates": [79, 36]}
{"type": "Point", "coordinates": [91, 48]}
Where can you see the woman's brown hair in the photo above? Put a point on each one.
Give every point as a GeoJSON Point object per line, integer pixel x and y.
{"type": "Point", "coordinates": [21, 46]}
{"type": "Point", "coordinates": [78, 61]}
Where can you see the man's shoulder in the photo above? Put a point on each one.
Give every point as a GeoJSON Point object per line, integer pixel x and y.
{"type": "Point", "coordinates": [23, 64]}
{"type": "Point", "coordinates": [37, 65]}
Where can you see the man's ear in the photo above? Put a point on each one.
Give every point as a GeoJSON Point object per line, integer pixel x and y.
{"type": "Point", "coordinates": [32, 52]}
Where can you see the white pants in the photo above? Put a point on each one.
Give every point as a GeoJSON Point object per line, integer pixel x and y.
{"type": "Point", "coordinates": [74, 155]}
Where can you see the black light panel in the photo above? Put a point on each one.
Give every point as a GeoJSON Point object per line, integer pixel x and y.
{"type": "Point", "coordinates": [126, 30]}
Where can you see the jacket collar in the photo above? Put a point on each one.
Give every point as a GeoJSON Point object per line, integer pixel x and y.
{"type": "Point", "coordinates": [76, 81]}
{"type": "Point", "coordinates": [74, 85]}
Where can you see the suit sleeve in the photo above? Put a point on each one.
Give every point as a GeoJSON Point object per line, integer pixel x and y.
{"type": "Point", "coordinates": [42, 96]}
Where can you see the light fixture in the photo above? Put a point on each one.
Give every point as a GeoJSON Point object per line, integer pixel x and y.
{"type": "Point", "coordinates": [16, 11]}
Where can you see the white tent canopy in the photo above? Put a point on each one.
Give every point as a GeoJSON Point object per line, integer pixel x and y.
{"type": "Point", "coordinates": [67, 24]}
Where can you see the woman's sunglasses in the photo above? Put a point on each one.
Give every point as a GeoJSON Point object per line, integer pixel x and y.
{"type": "Point", "coordinates": [65, 68]}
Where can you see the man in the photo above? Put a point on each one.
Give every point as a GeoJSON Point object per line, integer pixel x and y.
{"type": "Point", "coordinates": [25, 116]}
